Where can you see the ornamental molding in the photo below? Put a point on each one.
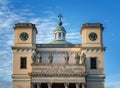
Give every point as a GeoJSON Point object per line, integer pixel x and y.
{"type": "Point", "coordinates": [26, 76]}
{"type": "Point", "coordinates": [23, 50]}
{"type": "Point", "coordinates": [59, 75]}
{"type": "Point", "coordinates": [59, 52]}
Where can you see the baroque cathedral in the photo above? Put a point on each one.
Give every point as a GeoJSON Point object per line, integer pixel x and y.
{"type": "Point", "coordinates": [59, 63]}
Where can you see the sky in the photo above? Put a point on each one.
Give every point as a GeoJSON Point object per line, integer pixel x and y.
{"type": "Point", "coordinates": [43, 13]}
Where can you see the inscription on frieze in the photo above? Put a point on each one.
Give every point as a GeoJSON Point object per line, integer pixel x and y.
{"type": "Point", "coordinates": [59, 69]}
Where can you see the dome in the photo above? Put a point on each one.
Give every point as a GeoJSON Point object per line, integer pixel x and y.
{"type": "Point", "coordinates": [60, 28]}
{"type": "Point", "coordinates": [60, 34]}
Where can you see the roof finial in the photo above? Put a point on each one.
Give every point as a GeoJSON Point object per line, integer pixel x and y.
{"type": "Point", "coordinates": [60, 17]}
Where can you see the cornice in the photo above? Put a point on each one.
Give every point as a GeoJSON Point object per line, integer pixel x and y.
{"type": "Point", "coordinates": [15, 47]}
{"type": "Point", "coordinates": [103, 48]}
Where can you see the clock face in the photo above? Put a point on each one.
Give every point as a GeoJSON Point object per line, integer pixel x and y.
{"type": "Point", "coordinates": [92, 36]}
{"type": "Point", "coordinates": [24, 36]}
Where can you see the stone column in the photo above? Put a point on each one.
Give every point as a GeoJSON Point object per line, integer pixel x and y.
{"type": "Point", "coordinates": [49, 85]}
{"type": "Point", "coordinates": [57, 36]}
{"type": "Point", "coordinates": [62, 36]}
{"type": "Point", "coordinates": [32, 85]}
{"type": "Point", "coordinates": [66, 85]}
{"type": "Point", "coordinates": [77, 85]}
{"type": "Point", "coordinates": [38, 85]}
{"type": "Point", "coordinates": [83, 85]}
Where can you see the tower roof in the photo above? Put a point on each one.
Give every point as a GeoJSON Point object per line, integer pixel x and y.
{"type": "Point", "coordinates": [60, 33]}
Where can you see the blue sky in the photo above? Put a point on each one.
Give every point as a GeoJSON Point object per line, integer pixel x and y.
{"type": "Point", "coordinates": [44, 13]}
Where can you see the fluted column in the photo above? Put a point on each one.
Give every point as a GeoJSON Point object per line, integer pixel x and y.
{"type": "Point", "coordinates": [77, 85]}
{"type": "Point", "coordinates": [66, 85]}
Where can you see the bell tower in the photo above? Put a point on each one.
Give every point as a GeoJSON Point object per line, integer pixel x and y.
{"type": "Point", "coordinates": [92, 46]}
{"type": "Point", "coordinates": [92, 34]}
{"type": "Point", "coordinates": [25, 35]}
{"type": "Point", "coordinates": [24, 46]}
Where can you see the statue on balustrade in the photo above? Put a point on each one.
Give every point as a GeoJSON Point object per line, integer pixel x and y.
{"type": "Point", "coordinates": [77, 58]}
{"type": "Point", "coordinates": [83, 57]}
{"type": "Point", "coordinates": [33, 57]}
{"type": "Point", "coordinates": [66, 58]}
{"type": "Point", "coordinates": [39, 58]}
{"type": "Point", "coordinates": [50, 58]}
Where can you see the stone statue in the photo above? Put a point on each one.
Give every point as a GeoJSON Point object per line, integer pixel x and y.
{"type": "Point", "coordinates": [50, 58]}
{"type": "Point", "coordinates": [33, 58]}
{"type": "Point", "coordinates": [77, 58]}
{"type": "Point", "coordinates": [66, 58]}
{"type": "Point", "coordinates": [83, 57]}
{"type": "Point", "coordinates": [39, 58]}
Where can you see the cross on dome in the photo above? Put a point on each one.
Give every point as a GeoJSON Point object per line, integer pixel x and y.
{"type": "Point", "coordinates": [60, 17]}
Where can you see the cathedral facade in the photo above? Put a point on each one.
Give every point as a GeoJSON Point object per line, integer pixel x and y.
{"type": "Point", "coordinates": [58, 64]}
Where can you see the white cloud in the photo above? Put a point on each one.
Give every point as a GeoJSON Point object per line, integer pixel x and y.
{"type": "Point", "coordinates": [3, 2]}
{"type": "Point", "coordinates": [45, 27]}
{"type": "Point", "coordinates": [8, 19]}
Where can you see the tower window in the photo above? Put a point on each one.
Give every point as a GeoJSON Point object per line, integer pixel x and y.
{"type": "Point", "coordinates": [23, 62]}
{"type": "Point", "coordinates": [59, 35]}
{"type": "Point", "coordinates": [93, 63]}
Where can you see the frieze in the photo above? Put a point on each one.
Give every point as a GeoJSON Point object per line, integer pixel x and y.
{"type": "Point", "coordinates": [58, 70]}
